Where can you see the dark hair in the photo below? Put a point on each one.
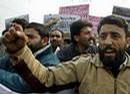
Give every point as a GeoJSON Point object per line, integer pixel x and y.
{"type": "Point", "coordinates": [42, 30]}
{"type": "Point", "coordinates": [75, 28]}
{"type": "Point", "coordinates": [116, 20]}
{"type": "Point", "coordinates": [58, 30]}
{"type": "Point", "coordinates": [21, 21]}
{"type": "Point", "coordinates": [4, 31]}
{"type": "Point", "coordinates": [128, 34]}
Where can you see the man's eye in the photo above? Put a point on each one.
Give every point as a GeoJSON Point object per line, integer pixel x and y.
{"type": "Point", "coordinates": [87, 33]}
{"type": "Point", "coordinates": [55, 36]}
{"type": "Point", "coordinates": [103, 36]}
{"type": "Point", "coordinates": [115, 36]}
{"type": "Point", "coordinates": [30, 36]}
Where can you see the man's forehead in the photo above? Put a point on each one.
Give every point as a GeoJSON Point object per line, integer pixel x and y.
{"type": "Point", "coordinates": [30, 31]}
{"type": "Point", "coordinates": [87, 28]}
{"type": "Point", "coordinates": [112, 28]}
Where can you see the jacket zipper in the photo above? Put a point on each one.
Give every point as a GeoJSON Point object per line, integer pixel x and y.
{"type": "Point", "coordinates": [115, 86]}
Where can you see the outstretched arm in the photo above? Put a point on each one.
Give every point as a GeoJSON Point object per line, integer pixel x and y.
{"type": "Point", "coordinates": [41, 78]}
{"type": "Point", "coordinates": [15, 41]}
{"type": "Point", "coordinates": [52, 21]}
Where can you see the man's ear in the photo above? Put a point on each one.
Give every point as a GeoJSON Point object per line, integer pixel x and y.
{"type": "Point", "coordinates": [76, 38]}
{"type": "Point", "coordinates": [45, 40]}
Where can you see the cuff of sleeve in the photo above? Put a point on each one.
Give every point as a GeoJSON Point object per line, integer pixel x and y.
{"type": "Point", "coordinates": [37, 69]}
{"type": "Point", "coordinates": [23, 54]}
{"type": "Point", "coordinates": [20, 52]}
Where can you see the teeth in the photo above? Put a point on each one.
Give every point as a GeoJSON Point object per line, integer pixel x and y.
{"type": "Point", "coordinates": [109, 51]}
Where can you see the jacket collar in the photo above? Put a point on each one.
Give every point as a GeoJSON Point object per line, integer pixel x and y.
{"type": "Point", "coordinates": [96, 61]}
{"type": "Point", "coordinates": [44, 49]}
{"type": "Point", "coordinates": [128, 60]}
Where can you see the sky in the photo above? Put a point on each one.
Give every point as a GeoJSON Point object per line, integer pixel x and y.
{"type": "Point", "coordinates": [37, 8]}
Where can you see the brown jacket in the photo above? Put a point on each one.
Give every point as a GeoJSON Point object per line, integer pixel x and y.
{"type": "Point", "coordinates": [87, 70]}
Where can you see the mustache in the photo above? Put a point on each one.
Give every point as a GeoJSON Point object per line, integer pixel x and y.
{"type": "Point", "coordinates": [90, 39]}
{"type": "Point", "coordinates": [109, 47]}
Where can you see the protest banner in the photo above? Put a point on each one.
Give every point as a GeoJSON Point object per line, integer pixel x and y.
{"type": "Point", "coordinates": [64, 23]}
{"type": "Point", "coordinates": [95, 21]}
{"type": "Point", "coordinates": [122, 12]}
{"type": "Point", "coordinates": [80, 10]}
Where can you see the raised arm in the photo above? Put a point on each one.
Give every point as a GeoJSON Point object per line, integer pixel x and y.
{"type": "Point", "coordinates": [30, 68]}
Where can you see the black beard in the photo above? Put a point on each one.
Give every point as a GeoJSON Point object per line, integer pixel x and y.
{"type": "Point", "coordinates": [112, 63]}
{"type": "Point", "coordinates": [33, 49]}
{"type": "Point", "coordinates": [36, 47]}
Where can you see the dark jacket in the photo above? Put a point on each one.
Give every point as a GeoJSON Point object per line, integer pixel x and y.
{"type": "Point", "coordinates": [72, 50]}
{"type": "Point", "coordinates": [128, 49]}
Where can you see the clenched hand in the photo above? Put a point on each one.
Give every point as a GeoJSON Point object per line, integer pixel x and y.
{"type": "Point", "coordinates": [15, 39]}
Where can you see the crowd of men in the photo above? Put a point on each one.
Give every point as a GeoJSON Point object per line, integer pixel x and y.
{"type": "Point", "coordinates": [35, 59]}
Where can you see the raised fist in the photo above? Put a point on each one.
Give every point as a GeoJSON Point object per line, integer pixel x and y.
{"type": "Point", "coordinates": [52, 21]}
{"type": "Point", "coordinates": [15, 39]}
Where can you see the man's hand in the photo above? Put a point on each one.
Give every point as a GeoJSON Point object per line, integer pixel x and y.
{"type": "Point", "coordinates": [15, 39]}
{"type": "Point", "coordinates": [52, 21]}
